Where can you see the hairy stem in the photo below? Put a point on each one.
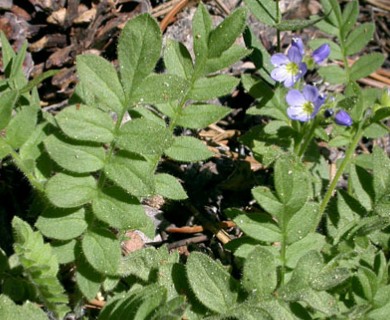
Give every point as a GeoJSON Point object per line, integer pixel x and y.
{"type": "Point", "coordinates": [348, 155]}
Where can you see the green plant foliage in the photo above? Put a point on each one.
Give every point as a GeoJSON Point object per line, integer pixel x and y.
{"type": "Point", "coordinates": [366, 65]}
{"type": "Point", "coordinates": [169, 187]}
{"type": "Point", "coordinates": [101, 249]}
{"type": "Point", "coordinates": [120, 210]}
{"type": "Point", "coordinates": [85, 123]}
{"type": "Point", "coordinates": [40, 265]}
{"type": "Point", "coordinates": [211, 284]}
{"type": "Point", "coordinates": [201, 115]}
{"type": "Point", "coordinates": [224, 35]}
{"type": "Point", "coordinates": [188, 149]}
{"type": "Point", "coordinates": [264, 11]}
{"type": "Point", "coordinates": [260, 272]}
{"type": "Point", "coordinates": [209, 88]}
{"type": "Point", "coordinates": [178, 60]}
{"type": "Point", "coordinates": [144, 137]}
{"type": "Point", "coordinates": [11, 311]}
{"type": "Point", "coordinates": [306, 247]}
{"type": "Point", "coordinates": [100, 78]}
{"type": "Point", "coordinates": [132, 173]}
{"type": "Point", "coordinates": [138, 51]}
{"type": "Point", "coordinates": [8, 100]}
{"type": "Point", "coordinates": [21, 126]}
{"type": "Point", "coordinates": [159, 88]}
{"type": "Point", "coordinates": [138, 304]}
{"type": "Point", "coordinates": [66, 191]}
{"type": "Point", "coordinates": [76, 157]}
{"type": "Point", "coordinates": [62, 224]}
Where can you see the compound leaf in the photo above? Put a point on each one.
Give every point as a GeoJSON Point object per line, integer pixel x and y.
{"type": "Point", "coordinates": [212, 285]}
{"type": "Point", "coordinates": [66, 191]}
{"type": "Point", "coordinates": [85, 123]}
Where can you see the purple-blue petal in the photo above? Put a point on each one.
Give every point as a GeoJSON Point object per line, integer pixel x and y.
{"type": "Point", "coordinates": [296, 113]}
{"type": "Point", "coordinates": [310, 93]}
{"type": "Point", "coordinates": [279, 74]}
{"type": "Point", "coordinates": [297, 42]}
{"type": "Point", "coordinates": [279, 59]}
{"type": "Point", "coordinates": [294, 55]}
{"type": "Point", "coordinates": [342, 118]}
{"type": "Point", "coordinates": [321, 53]}
{"type": "Point", "coordinates": [295, 98]}
{"type": "Point", "coordinates": [302, 69]}
{"type": "Point", "coordinates": [290, 81]}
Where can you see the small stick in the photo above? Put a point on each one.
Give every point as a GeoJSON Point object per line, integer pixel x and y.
{"type": "Point", "coordinates": [186, 242]}
{"type": "Point", "coordinates": [197, 229]}
{"type": "Point", "coordinates": [169, 17]}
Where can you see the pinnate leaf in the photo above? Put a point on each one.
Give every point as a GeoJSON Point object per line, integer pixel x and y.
{"type": "Point", "coordinates": [197, 116]}
{"type": "Point", "coordinates": [212, 285]}
{"type": "Point", "coordinates": [213, 87]}
{"type": "Point", "coordinates": [9, 310]}
{"type": "Point", "coordinates": [144, 137]}
{"type": "Point", "coordinates": [62, 224]}
{"type": "Point", "coordinates": [224, 35]}
{"type": "Point", "coordinates": [75, 157]}
{"type": "Point", "coordinates": [267, 200]}
{"type": "Point", "coordinates": [226, 59]}
{"type": "Point", "coordinates": [332, 74]}
{"type": "Point", "coordinates": [291, 184]}
{"type": "Point", "coordinates": [8, 100]}
{"type": "Point", "coordinates": [102, 250]}
{"type": "Point", "coordinates": [88, 280]}
{"type": "Point", "coordinates": [178, 60]}
{"type": "Point", "coordinates": [349, 15]}
{"type": "Point", "coordinates": [122, 211]}
{"type": "Point", "coordinates": [22, 125]}
{"type": "Point", "coordinates": [159, 88]}
{"type": "Point", "coordinates": [359, 38]}
{"type": "Point", "coordinates": [139, 49]}
{"type": "Point", "coordinates": [85, 123]}
{"type": "Point", "coordinates": [136, 305]}
{"type": "Point", "coordinates": [259, 226]}
{"type": "Point", "coordinates": [100, 78]}
{"type": "Point", "coordinates": [41, 265]}
{"type": "Point", "coordinates": [67, 191]}
{"type": "Point", "coordinates": [260, 272]}
{"type": "Point", "coordinates": [201, 28]}
{"type": "Point", "coordinates": [169, 187]}
{"type": "Point", "coordinates": [381, 167]}
{"type": "Point", "coordinates": [303, 222]}
{"type": "Point", "coordinates": [188, 149]}
{"type": "Point", "coordinates": [264, 11]}
{"type": "Point", "coordinates": [132, 173]}
{"type": "Point", "coordinates": [366, 65]}
{"type": "Point", "coordinates": [294, 252]}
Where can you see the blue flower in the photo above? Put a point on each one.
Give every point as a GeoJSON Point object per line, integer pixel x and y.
{"type": "Point", "coordinates": [288, 68]}
{"type": "Point", "coordinates": [321, 53]}
{"type": "Point", "coordinates": [342, 118]}
{"type": "Point", "coordinates": [303, 106]}
{"type": "Point", "coordinates": [298, 43]}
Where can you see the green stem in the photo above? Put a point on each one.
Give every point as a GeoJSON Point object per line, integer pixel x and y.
{"type": "Point", "coordinates": [110, 152]}
{"type": "Point", "coordinates": [30, 176]}
{"type": "Point", "coordinates": [283, 248]}
{"type": "Point", "coordinates": [307, 138]}
{"type": "Point", "coordinates": [348, 155]}
{"type": "Point", "coordinates": [278, 19]}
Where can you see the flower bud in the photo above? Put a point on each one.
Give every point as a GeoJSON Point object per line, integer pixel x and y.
{"type": "Point", "coordinates": [321, 53]}
{"type": "Point", "coordinates": [298, 43]}
{"type": "Point", "coordinates": [342, 118]}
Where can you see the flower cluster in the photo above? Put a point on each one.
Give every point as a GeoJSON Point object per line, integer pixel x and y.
{"type": "Point", "coordinates": [289, 69]}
